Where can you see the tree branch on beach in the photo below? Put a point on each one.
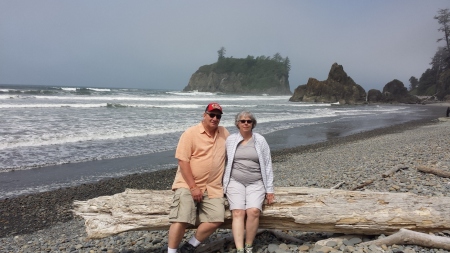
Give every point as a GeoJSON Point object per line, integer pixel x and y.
{"type": "Point", "coordinates": [338, 185]}
{"type": "Point", "coordinates": [434, 171]}
{"type": "Point", "coordinates": [405, 236]}
{"type": "Point", "coordinates": [390, 172]}
{"type": "Point", "coordinates": [365, 183]}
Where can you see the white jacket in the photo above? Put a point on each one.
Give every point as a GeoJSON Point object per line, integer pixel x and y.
{"type": "Point", "coordinates": [265, 159]}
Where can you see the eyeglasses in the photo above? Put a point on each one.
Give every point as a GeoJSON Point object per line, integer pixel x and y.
{"type": "Point", "coordinates": [212, 115]}
{"type": "Point", "coordinates": [249, 121]}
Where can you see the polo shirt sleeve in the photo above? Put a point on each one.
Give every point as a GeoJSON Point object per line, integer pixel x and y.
{"type": "Point", "coordinates": [184, 148]}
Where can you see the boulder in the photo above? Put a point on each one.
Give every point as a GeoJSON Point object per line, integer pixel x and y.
{"type": "Point", "coordinates": [299, 93]}
{"type": "Point", "coordinates": [374, 96]}
{"type": "Point", "coordinates": [339, 87]}
{"type": "Point", "coordinates": [396, 92]}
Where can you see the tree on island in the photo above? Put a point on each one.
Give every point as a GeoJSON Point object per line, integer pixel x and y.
{"type": "Point", "coordinates": [259, 71]}
{"type": "Point", "coordinates": [221, 53]}
{"type": "Point", "coordinates": [250, 75]}
{"type": "Point", "coordinates": [287, 63]}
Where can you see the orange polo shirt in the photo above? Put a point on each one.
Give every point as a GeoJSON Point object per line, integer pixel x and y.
{"type": "Point", "coordinates": [206, 156]}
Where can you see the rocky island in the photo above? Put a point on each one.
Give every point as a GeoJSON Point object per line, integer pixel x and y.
{"type": "Point", "coordinates": [260, 75]}
{"type": "Point", "coordinates": [270, 76]}
{"type": "Point", "coordinates": [340, 88]}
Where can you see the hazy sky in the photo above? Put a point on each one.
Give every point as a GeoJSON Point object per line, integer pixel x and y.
{"type": "Point", "coordinates": [160, 44]}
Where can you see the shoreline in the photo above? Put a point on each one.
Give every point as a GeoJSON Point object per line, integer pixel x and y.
{"type": "Point", "coordinates": [20, 214]}
{"type": "Point", "coordinates": [294, 134]}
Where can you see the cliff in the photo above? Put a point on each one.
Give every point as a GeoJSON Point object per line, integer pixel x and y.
{"type": "Point", "coordinates": [242, 76]}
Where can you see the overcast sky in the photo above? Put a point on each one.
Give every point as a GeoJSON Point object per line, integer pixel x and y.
{"type": "Point", "coordinates": [160, 44]}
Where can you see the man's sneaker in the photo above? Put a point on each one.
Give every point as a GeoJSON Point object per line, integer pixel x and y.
{"type": "Point", "coordinates": [187, 248]}
{"type": "Point", "coordinates": [249, 250]}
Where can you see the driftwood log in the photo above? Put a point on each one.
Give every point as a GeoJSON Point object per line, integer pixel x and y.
{"type": "Point", "coordinates": [366, 183]}
{"type": "Point", "coordinates": [405, 236]}
{"type": "Point", "coordinates": [393, 170]}
{"type": "Point", "coordinates": [437, 172]}
{"type": "Point", "coordinates": [296, 208]}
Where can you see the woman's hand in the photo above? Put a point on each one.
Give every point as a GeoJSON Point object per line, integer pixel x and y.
{"type": "Point", "coordinates": [270, 198]}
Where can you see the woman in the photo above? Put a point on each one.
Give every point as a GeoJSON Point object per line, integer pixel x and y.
{"type": "Point", "coordinates": [248, 179]}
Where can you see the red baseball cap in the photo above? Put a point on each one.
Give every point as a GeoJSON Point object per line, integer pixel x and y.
{"type": "Point", "coordinates": [213, 106]}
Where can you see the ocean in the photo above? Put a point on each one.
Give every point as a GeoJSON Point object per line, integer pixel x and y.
{"type": "Point", "coordinates": [52, 137]}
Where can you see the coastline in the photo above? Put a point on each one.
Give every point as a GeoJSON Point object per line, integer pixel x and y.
{"type": "Point", "coordinates": [35, 213]}
{"type": "Point", "coordinates": [344, 121]}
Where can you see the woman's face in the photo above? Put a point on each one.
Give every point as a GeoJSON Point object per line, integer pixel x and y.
{"type": "Point", "coordinates": [245, 124]}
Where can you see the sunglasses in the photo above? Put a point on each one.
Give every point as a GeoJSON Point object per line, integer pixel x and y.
{"type": "Point", "coordinates": [212, 115]}
{"type": "Point", "coordinates": [249, 121]}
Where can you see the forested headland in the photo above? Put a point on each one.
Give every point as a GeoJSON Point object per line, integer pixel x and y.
{"type": "Point", "coordinates": [435, 81]}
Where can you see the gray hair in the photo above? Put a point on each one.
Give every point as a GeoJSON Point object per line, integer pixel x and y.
{"type": "Point", "coordinates": [245, 114]}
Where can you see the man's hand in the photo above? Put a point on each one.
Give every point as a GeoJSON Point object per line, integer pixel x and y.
{"type": "Point", "coordinates": [197, 194]}
{"type": "Point", "coordinates": [186, 172]}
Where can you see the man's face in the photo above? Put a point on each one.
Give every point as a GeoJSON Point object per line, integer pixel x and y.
{"type": "Point", "coordinates": [212, 118]}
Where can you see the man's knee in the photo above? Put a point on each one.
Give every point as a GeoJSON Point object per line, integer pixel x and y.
{"type": "Point", "coordinates": [211, 225]}
{"type": "Point", "coordinates": [216, 224]}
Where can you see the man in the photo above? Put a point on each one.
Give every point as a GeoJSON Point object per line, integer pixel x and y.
{"type": "Point", "coordinates": [198, 182]}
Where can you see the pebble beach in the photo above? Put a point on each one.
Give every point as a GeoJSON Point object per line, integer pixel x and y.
{"type": "Point", "coordinates": [44, 222]}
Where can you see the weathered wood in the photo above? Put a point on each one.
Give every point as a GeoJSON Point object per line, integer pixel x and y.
{"type": "Point", "coordinates": [338, 185]}
{"type": "Point", "coordinates": [434, 171]}
{"type": "Point", "coordinates": [296, 208]}
{"type": "Point", "coordinates": [366, 183]}
{"type": "Point", "coordinates": [390, 172]}
{"type": "Point", "coordinates": [405, 236]}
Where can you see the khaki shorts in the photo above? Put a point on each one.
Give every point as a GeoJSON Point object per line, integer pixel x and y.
{"type": "Point", "coordinates": [184, 209]}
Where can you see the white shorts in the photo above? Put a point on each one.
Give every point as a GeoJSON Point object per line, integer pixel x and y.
{"type": "Point", "coordinates": [241, 197]}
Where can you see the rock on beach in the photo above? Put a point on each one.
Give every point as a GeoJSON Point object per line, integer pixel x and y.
{"type": "Point", "coordinates": [44, 222]}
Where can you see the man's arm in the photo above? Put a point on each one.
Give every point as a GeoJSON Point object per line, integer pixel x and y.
{"type": "Point", "coordinates": [186, 172]}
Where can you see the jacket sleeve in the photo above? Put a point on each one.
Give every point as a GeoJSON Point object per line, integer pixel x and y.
{"type": "Point", "coordinates": [229, 161]}
{"type": "Point", "coordinates": [268, 165]}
